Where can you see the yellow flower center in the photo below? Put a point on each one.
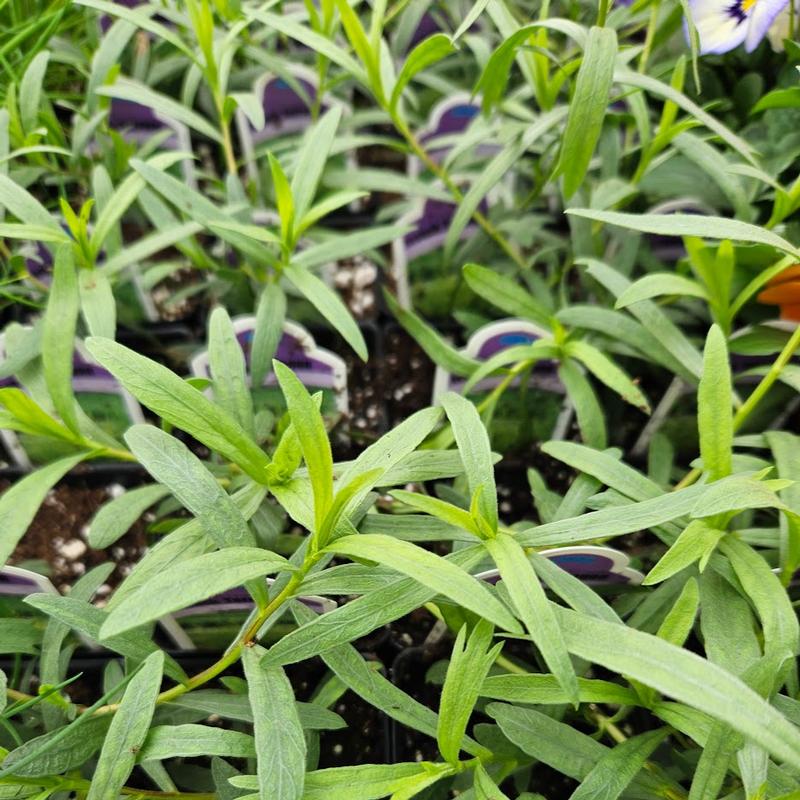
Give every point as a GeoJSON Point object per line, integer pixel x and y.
{"type": "Point", "coordinates": [748, 4]}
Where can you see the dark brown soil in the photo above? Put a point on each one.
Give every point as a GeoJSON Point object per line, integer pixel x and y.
{"type": "Point", "coordinates": [57, 537]}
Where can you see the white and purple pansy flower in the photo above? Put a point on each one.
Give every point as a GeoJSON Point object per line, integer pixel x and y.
{"type": "Point", "coordinates": [725, 24]}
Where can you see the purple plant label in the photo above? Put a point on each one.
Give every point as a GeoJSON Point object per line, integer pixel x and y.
{"type": "Point", "coordinates": [490, 340]}
{"type": "Point", "coordinates": [448, 120]}
{"type": "Point", "coordinates": [430, 224]}
{"type": "Point", "coordinates": [595, 566]}
{"type": "Point", "coordinates": [19, 582]}
{"type": "Point", "coordinates": [287, 104]}
{"type": "Point", "coordinates": [316, 367]}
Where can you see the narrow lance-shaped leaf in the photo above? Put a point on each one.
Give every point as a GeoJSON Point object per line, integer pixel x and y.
{"type": "Point", "coordinates": [714, 402]}
{"type": "Point", "coordinates": [588, 107]}
{"type": "Point", "coordinates": [177, 402]}
{"type": "Point", "coordinates": [476, 453]}
{"type": "Point", "coordinates": [683, 676]}
{"type": "Point", "coordinates": [430, 570]}
{"type": "Point", "coordinates": [311, 160]}
{"type": "Point", "coordinates": [116, 517]}
{"type": "Point", "coordinates": [609, 778]}
{"type": "Point", "coordinates": [691, 225]}
{"type": "Point", "coordinates": [58, 336]}
{"type": "Point", "coordinates": [534, 609]}
{"type": "Point", "coordinates": [171, 462]}
{"type": "Point", "coordinates": [270, 316]}
{"type": "Point", "coordinates": [310, 430]}
{"type": "Point", "coordinates": [469, 664]}
{"type": "Point", "coordinates": [228, 369]}
{"type": "Point", "coordinates": [128, 730]}
{"type": "Point", "coordinates": [189, 582]}
{"type": "Point", "coordinates": [280, 746]}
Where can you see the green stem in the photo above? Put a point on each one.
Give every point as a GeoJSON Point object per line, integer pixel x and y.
{"type": "Point", "coordinates": [650, 35]}
{"type": "Point", "coordinates": [602, 12]}
{"type": "Point", "coordinates": [441, 173]}
{"type": "Point", "coordinates": [232, 655]}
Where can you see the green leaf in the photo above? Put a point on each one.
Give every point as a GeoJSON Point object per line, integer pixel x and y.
{"type": "Point", "coordinates": [58, 336]}
{"type": "Point", "coordinates": [283, 199]}
{"type": "Point", "coordinates": [73, 747]}
{"type": "Point", "coordinates": [427, 52]}
{"type": "Point", "coordinates": [228, 370]}
{"type": "Point", "coordinates": [714, 407]}
{"type": "Point", "coordinates": [190, 582]}
{"type": "Point", "coordinates": [372, 687]}
{"type": "Point", "coordinates": [606, 371]}
{"type": "Point", "coordinates": [172, 464]}
{"type": "Point", "coordinates": [128, 730]}
{"type": "Point", "coordinates": [329, 304]}
{"type": "Point", "coordinates": [652, 318]}
{"type": "Point", "coordinates": [773, 606]}
{"type": "Point", "coordinates": [430, 570]}
{"type": "Point", "coordinates": [98, 306]}
{"type": "Point", "coordinates": [318, 43]}
{"type": "Point", "coordinates": [311, 159]}
{"type": "Point", "coordinates": [26, 208]}
{"type": "Point", "coordinates": [270, 316]}
{"type": "Point", "coordinates": [310, 429]}
{"type": "Point", "coordinates": [588, 411]}
{"type": "Point", "coordinates": [660, 283]}
{"type": "Point", "coordinates": [20, 502]}
{"type": "Point", "coordinates": [628, 77]}
{"type": "Point", "coordinates": [690, 225]}
{"type": "Point", "coordinates": [683, 676]}
{"type": "Point", "coordinates": [485, 788]}
{"type": "Point", "coordinates": [506, 294]}
{"type": "Point", "coordinates": [611, 775]}
{"type": "Point", "coordinates": [116, 517]}
{"type": "Point", "coordinates": [441, 509]}
{"type": "Point", "coordinates": [177, 402]}
{"type": "Point", "coordinates": [140, 20]}
{"type": "Point", "coordinates": [358, 617]}
{"type": "Point", "coordinates": [361, 45]}
{"type": "Point", "coordinates": [736, 494]}
{"type": "Point", "coordinates": [470, 662]}
{"type": "Point", "coordinates": [280, 746]}
{"type": "Point", "coordinates": [696, 543]}
{"type": "Point", "coordinates": [135, 92]}
{"type": "Point", "coordinates": [361, 782]}
{"type": "Point", "coordinates": [564, 748]}
{"type": "Point", "coordinates": [538, 689]}
{"type": "Point", "coordinates": [84, 617]}
{"type": "Point", "coordinates": [30, 91]}
{"type": "Point", "coordinates": [430, 341]}
{"type": "Point", "coordinates": [616, 521]}
{"type": "Point", "coordinates": [476, 453]}
{"type": "Point", "coordinates": [678, 623]}
{"type": "Point", "coordinates": [195, 741]}
{"type": "Point", "coordinates": [587, 108]}
{"type": "Point", "coordinates": [534, 609]}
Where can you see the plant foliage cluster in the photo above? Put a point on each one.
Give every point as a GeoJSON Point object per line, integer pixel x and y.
{"type": "Point", "coordinates": [628, 195]}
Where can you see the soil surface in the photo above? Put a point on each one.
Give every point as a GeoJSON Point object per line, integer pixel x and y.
{"type": "Point", "coordinates": [57, 536]}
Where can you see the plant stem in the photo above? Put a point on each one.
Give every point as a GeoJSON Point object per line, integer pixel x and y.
{"type": "Point", "coordinates": [602, 12]}
{"type": "Point", "coordinates": [650, 35]}
{"type": "Point", "coordinates": [231, 656]}
{"type": "Point", "coordinates": [441, 173]}
{"type": "Point", "coordinates": [755, 397]}
{"type": "Point", "coordinates": [227, 147]}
